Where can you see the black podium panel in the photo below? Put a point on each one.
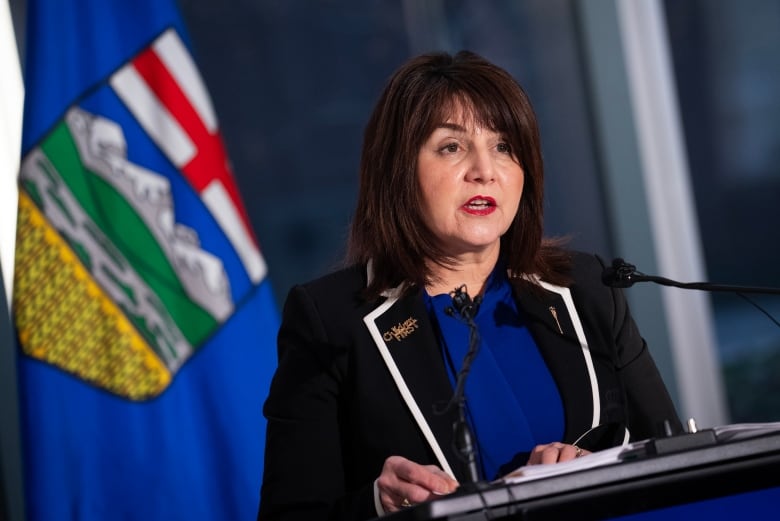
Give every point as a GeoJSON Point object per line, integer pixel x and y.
{"type": "Point", "coordinates": [685, 480]}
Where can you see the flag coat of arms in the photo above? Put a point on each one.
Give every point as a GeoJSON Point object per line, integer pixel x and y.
{"type": "Point", "coordinates": [143, 314]}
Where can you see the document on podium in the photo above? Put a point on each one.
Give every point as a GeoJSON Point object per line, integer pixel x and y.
{"type": "Point", "coordinates": [642, 449]}
{"type": "Point", "coordinates": [740, 431]}
{"type": "Point", "coordinates": [588, 461]}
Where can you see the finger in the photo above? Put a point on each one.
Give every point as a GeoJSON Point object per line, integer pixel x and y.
{"type": "Point", "coordinates": [386, 499]}
{"type": "Point", "coordinates": [393, 503]}
{"type": "Point", "coordinates": [403, 483]}
{"type": "Point", "coordinates": [551, 454]}
{"type": "Point", "coordinates": [582, 452]}
{"type": "Point", "coordinates": [447, 483]}
{"type": "Point", "coordinates": [535, 458]}
{"type": "Point", "coordinates": [404, 496]}
{"type": "Point", "coordinates": [391, 485]}
{"type": "Point", "coordinates": [569, 452]}
{"type": "Point", "coordinates": [396, 497]}
{"type": "Point", "coordinates": [428, 479]}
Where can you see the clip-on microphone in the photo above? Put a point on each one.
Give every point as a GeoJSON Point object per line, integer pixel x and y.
{"type": "Point", "coordinates": [466, 308]}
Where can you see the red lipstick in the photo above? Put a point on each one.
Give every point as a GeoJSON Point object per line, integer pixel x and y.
{"type": "Point", "coordinates": [480, 205]}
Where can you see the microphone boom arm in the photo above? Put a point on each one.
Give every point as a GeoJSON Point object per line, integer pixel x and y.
{"type": "Point", "coordinates": [623, 275]}
{"type": "Point", "coordinates": [707, 286]}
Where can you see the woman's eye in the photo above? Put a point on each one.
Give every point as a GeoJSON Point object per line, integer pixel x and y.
{"type": "Point", "coordinates": [504, 148]}
{"type": "Point", "coordinates": [450, 148]}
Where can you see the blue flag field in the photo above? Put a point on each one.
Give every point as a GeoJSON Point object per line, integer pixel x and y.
{"type": "Point", "coordinates": [145, 320]}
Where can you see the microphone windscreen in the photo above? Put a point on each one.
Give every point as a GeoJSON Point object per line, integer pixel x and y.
{"type": "Point", "coordinates": [619, 274]}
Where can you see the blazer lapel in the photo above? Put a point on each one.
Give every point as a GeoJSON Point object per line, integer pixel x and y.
{"type": "Point", "coordinates": [404, 335]}
{"type": "Point", "coordinates": [555, 325]}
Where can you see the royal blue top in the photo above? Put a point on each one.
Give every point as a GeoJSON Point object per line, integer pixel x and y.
{"type": "Point", "coordinates": [512, 400]}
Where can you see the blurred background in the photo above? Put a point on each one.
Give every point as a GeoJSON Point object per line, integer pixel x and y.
{"type": "Point", "coordinates": [293, 83]}
{"type": "Point", "coordinates": [660, 125]}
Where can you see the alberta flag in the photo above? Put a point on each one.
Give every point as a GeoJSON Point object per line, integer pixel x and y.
{"type": "Point", "coordinates": [145, 321]}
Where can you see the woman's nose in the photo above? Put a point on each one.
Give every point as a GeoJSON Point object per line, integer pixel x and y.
{"type": "Point", "coordinates": [481, 167]}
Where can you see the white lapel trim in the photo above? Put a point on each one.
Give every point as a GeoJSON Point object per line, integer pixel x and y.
{"type": "Point", "coordinates": [565, 294]}
{"type": "Point", "coordinates": [406, 394]}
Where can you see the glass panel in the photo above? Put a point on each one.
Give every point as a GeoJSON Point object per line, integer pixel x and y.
{"type": "Point", "coordinates": [727, 62]}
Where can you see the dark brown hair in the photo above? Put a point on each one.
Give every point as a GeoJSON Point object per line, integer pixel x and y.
{"type": "Point", "coordinates": [388, 227]}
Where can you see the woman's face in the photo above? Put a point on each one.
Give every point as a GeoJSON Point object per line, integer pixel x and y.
{"type": "Point", "coordinates": [471, 186]}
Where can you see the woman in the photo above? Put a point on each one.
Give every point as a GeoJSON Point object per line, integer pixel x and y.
{"type": "Point", "coordinates": [450, 197]}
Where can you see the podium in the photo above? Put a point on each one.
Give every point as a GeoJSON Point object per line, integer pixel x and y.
{"type": "Point", "coordinates": [671, 479]}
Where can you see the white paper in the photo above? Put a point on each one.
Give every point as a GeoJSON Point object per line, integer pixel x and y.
{"type": "Point", "coordinates": [723, 434]}
{"type": "Point", "coordinates": [740, 431]}
{"type": "Point", "coordinates": [588, 461]}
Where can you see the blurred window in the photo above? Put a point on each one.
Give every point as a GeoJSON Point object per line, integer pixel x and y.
{"type": "Point", "coordinates": [727, 63]}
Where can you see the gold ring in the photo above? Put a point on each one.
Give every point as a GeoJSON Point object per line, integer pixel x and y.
{"type": "Point", "coordinates": [405, 503]}
{"type": "Point", "coordinates": [578, 450]}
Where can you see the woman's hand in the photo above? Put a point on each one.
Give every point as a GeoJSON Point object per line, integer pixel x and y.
{"type": "Point", "coordinates": [404, 483]}
{"type": "Point", "coordinates": [555, 452]}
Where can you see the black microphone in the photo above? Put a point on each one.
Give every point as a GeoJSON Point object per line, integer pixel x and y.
{"type": "Point", "coordinates": [623, 275]}
{"type": "Point", "coordinates": [467, 309]}
{"type": "Point", "coordinates": [464, 305]}
{"type": "Point", "coordinates": [619, 275]}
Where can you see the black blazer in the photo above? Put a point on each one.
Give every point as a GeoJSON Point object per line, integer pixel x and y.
{"type": "Point", "coordinates": [357, 382]}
